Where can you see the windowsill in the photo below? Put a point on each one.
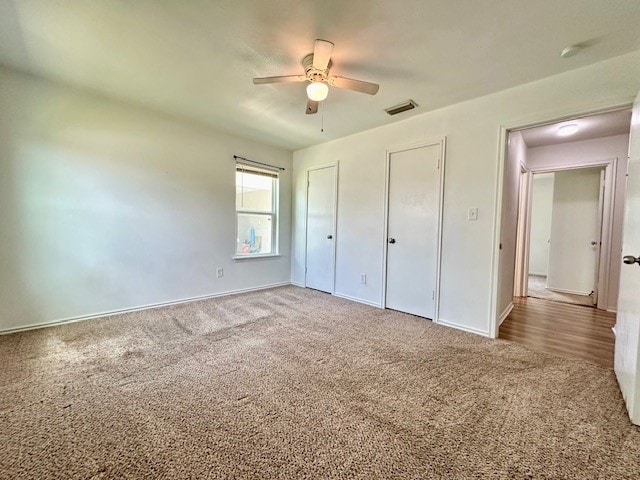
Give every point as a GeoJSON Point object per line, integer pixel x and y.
{"type": "Point", "coordinates": [263, 255]}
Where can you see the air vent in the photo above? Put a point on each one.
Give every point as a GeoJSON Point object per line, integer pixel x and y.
{"type": "Point", "coordinates": [403, 107]}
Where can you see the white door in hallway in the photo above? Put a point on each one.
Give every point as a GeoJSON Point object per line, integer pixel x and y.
{"type": "Point", "coordinates": [321, 209]}
{"type": "Point", "coordinates": [413, 229]}
{"type": "Point", "coordinates": [627, 352]}
{"type": "Point", "coordinates": [576, 230]}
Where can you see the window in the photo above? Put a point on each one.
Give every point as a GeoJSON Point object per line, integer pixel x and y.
{"type": "Point", "coordinates": [256, 211]}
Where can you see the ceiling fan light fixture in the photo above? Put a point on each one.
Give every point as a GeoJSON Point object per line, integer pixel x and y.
{"type": "Point", "coordinates": [317, 91]}
{"type": "Point", "coordinates": [316, 71]}
{"type": "Point", "coordinates": [567, 130]}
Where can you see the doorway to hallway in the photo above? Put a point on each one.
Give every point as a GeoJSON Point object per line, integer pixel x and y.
{"type": "Point", "coordinates": [586, 220]}
{"type": "Point", "coordinates": [551, 269]}
{"type": "Point", "coordinates": [565, 234]}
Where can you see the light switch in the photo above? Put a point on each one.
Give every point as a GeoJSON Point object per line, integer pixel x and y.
{"type": "Point", "coordinates": [473, 214]}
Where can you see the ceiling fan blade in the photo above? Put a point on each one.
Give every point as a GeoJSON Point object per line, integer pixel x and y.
{"type": "Point", "coordinates": [312, 107]}
{"type": "Point", "coordinates": [351, 84]}
{"type": "Point", "coordinates": [283, 79]}
{"type": "Point", "coordinates": [322, 54]}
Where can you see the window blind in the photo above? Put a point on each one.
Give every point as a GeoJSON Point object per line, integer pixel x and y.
{"type": "Point", "coordinates": [265, 172]}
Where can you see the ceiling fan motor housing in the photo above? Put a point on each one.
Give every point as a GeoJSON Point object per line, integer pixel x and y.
{"type": "Point", "coordinates": [313, 74]}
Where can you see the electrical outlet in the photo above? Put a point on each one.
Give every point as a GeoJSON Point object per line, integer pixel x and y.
{"type": "Point", "coordinates": [473, 214]}
{"type": "Point", "coordinates": [220, 272]}
{"type": "Point", "coordinates": [363, 278]}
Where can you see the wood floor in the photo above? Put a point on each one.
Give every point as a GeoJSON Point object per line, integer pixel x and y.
{"type": "Point", "coordinates": [562, 329]}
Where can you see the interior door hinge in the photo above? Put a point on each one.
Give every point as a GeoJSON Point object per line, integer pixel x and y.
{"type": "Point", "coordinates": [433, 294]}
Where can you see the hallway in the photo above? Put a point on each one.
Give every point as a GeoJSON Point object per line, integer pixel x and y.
{"type": "Point", "coordinates": [562, 329]}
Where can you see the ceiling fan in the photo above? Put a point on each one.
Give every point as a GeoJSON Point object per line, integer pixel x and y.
{"type": "Point", "coordinates": [316, 67]}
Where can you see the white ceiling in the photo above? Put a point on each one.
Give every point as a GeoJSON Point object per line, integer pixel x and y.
{"type": "Point", "coordinates": [590, 127]}
{"type": "Point", "coordinates": [196, 58]}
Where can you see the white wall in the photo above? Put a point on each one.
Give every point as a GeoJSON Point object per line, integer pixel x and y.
{"type": "Point", "coordinates": [468, 295]}
{"type": "Point", "coordinates": [576, 153]}
{"type": "Point", "coordinates": [541, 210]}
{"type": "Point", "coordinates": [105, 206]}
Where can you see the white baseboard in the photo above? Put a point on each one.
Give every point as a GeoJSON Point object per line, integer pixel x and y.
{"type": "Point", "coordinates": [301, 285]}
{"type": "Point", "coordinates": [81, 318]}
{"type": "Point", "coordinates": [505, 313]}
{"type": "Point", "coordinates": [573, 292]}
{"type": "Point", "coordinates": [457, 326]}
{"type": "Point", "coordinates": [359, 300]}
{"type": "Point", "coordinates": [538, 274]}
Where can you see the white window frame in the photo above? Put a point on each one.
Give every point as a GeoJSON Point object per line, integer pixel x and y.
{"type": "Point", "coordinates": [274, 214]}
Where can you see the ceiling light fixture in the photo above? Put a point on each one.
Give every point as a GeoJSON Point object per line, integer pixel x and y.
{"type": "Point", "coordinates": [570, 51]}
{"type": "Point", "coordinates": [566, 130]}
{"type": "Point", "coordinates": [317, 91]}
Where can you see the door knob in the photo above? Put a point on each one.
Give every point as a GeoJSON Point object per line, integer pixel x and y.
{"type": "Point", "coordinates": [630, 260]}
{"type": "Point", "coordinates": [392, 240]}
{"type": "Point", "coordinates": [594, 243]}
{"type": "Point", "coordinates": [329, 237]}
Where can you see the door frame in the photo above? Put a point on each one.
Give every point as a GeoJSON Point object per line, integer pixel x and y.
{"type": "Point", "coordinates": [442, 143]}
{"type": "Point", "coordinates": [610, 166]}
{"type": "Point", "coordinates": [520, 281]}
{"type": "Point", "coordinates": [334, 165]}
{"type": "Point", "coordinates": [503, 138]}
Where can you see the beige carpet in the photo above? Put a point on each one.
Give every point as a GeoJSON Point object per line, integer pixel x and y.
{"type": "Point", "coordinates": [537, 288]}
{"type": "Point", "coordinates": [292, 383]}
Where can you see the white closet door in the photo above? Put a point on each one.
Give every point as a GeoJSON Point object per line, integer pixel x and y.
{"type": "Point", "coordinates": [413, 219]}
{"type": "Point", "coordinates": [321, 207]}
